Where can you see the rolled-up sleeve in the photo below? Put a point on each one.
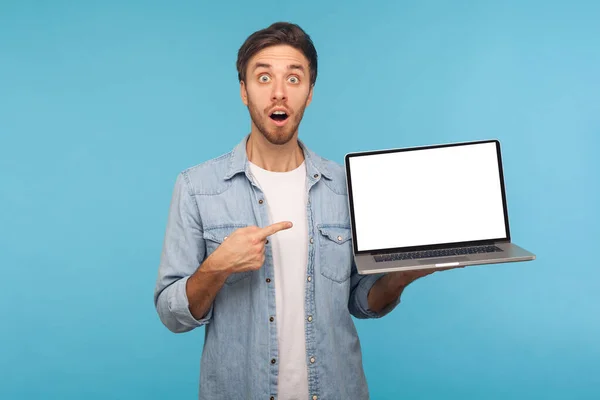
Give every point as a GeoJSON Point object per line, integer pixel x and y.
{"type": "Point", "coordinates": [183, 252]}
{"type": "Point", "coordinates": [358, 303]}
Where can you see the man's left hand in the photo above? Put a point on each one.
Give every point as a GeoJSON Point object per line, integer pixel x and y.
{"type": "Point", "coordinates": [402, 279]}
{"type": "Point", "coordinates": [391, 286]}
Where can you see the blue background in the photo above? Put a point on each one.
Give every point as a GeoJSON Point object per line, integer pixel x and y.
{"type": "Point", "coordinates": [103, 103]}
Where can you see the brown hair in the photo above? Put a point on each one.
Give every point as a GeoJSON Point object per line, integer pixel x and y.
{"type": "Point", "coordinates": [279, 33]}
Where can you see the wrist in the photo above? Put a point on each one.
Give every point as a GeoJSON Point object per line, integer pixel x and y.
{"type": "Point", "coordinates": [210, 271]}
{"type": "Point", "coordinates": [213, 265]}
{"type": "Point", "coordinates": [397, 281]}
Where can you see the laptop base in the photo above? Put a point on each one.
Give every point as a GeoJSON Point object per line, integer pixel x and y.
{"type": "Point", "coordinates": [366, 263]}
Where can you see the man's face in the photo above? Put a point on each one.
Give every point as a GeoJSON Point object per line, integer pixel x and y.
{"type": "Point", "coordinates": [276, 91]}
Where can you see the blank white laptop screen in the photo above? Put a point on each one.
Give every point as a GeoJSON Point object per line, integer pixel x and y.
{"type": "Point", "coordinates": [427, 197]}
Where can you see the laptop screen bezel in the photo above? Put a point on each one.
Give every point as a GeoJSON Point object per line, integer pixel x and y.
{"type": "Point", "coordinates": [347, 158]}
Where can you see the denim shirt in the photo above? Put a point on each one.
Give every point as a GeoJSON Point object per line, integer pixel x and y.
{"type": "Point", "coordinates": [239, 358]}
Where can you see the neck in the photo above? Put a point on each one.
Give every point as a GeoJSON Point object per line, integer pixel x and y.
{"type": "Point", "coordinates": [274, 157]}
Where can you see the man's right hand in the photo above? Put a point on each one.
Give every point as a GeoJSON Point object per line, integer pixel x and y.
{"type": "Point", "coordinates": [244, 250]}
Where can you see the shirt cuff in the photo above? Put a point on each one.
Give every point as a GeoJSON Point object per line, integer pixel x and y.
{"type": "Point", "coordinates": [179, 306]}
{"type": "Point", "coordinates": [362, 294]}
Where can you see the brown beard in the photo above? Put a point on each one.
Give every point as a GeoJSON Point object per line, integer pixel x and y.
{"type": "Point", "coordinates": [277, 135]}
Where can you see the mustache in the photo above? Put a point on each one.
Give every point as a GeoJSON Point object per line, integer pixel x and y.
{"type": "Point", "coordinates": [279, 104]}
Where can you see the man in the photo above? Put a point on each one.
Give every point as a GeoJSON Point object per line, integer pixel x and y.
{"type": "Point", "coordinates": [258, 248]}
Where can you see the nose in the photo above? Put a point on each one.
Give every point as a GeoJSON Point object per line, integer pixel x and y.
{"type": "Point", "coordinates": [279, 91]}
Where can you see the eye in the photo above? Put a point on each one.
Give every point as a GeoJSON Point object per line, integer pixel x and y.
{"type": "Point", "coordinates": [264, 78]}
{"type": "Point", "coordinates": [294, 79]}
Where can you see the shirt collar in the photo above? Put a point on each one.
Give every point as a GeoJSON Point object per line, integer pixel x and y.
{"type": "Point", "coordinates": [238, 161]}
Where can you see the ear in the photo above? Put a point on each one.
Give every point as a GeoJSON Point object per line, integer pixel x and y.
{"type": "Point", "coordinates": [244, 93]}
{"type": "Point", "coordinates": [310, 95]}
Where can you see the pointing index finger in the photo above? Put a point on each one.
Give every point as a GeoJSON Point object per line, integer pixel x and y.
{"type": "Point", "coordinates": [274, 228]}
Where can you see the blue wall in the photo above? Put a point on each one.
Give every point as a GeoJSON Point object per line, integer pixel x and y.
{"type": "Point", "coordinates": [101, 105]}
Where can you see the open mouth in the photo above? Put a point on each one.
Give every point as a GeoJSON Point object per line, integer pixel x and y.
{"type": "Point", "coordinates": [279, 116]}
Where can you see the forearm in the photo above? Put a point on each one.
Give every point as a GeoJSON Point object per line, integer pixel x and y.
{"type": "Point", "coordinates": [385, 291]}
{"type": "Point", "coordinates": [202, 288]}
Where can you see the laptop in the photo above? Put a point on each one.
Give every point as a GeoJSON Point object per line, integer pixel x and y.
{"type": "Point", "coordinates": [428, 207]}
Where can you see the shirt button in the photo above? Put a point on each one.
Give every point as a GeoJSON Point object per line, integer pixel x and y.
{"type": "Point", "coordinates": [312, 360]}
{"type": "Point", "coordinates": [315, 397]}
{"type": "Point", "coordinates": [271, 319]}
{"type": "Point", "coordinates": [312, 240]}
{"type": "Point", "coordinates": [260, 201]}
{"type": "Point", "coordinates": [268, 280]}
{"type": "Point", "coordinates": [225, 238]}
{"type": "Point", "coordinates": [267, 241]}
{"type": "Point", "coordinates": [272, 398]}
{"type": "Point", "coordinates": [340, 238]}
{"type": "Point", "coordinates": [273, 361]}
{"type": "Point", "coordinates": [309, 318]}
{"type": "Point", "coordinates": [316, 175]}
{"type": "Point", "coordinates": [309, 278]}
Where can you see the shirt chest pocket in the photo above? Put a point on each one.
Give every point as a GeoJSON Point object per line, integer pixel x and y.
{"type": "Point", "coordinates": [214, 237]}
{"type": "Point", "coordinates": [335, 252]}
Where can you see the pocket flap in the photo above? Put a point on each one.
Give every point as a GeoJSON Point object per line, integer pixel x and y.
{"type": "Point", "coordinates": [336, 233]}
{"type": "Point", "coordinates": [219, 233]}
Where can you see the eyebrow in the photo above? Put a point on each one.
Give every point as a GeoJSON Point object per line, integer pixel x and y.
{"type": "Point", "coordinates": [289, 67]}
{"type": "Point", "coordinates": [296, 66]}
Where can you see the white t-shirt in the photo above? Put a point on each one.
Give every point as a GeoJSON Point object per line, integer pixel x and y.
{"type": "Point", "coordinates": [285, 194]}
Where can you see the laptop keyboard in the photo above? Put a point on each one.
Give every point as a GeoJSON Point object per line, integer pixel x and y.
{"type": "Point", "coordinates": [459, 251]}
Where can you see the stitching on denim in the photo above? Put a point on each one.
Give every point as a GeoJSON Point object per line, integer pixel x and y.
{"type": "Point", "coordinates": [191, 194]}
